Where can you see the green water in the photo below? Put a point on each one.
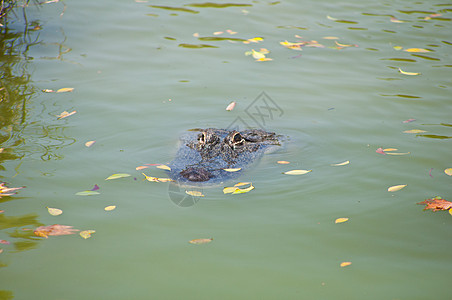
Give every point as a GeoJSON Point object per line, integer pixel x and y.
{"type": "Point", "coordinates": [141, 78]}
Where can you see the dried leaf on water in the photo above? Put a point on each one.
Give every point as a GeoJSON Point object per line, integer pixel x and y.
{"type": "Point", "coordinates": [341, 164]}
{"type": "Point", "coordinates": [141, 167]}
{"type": "Point", "coordinates": [163, 167]}
{"type": "Point", "coordinates": [56, 229]}
{"type": "Point", "coordinates": [417, 50]}
{"type": "Point", "coordinates": [345, 263]}
{"type": "Point", "coordinates": [297, 172]}
{"type": "Point", "coordinates": [408, 73]}
{"type": "Point", "coordinates": [156, 179]}
{"type": "Point", "coordinates": [86, 234]}
{"type": "Point", "coordinates": [414, 131]}
{"type": "Point", "coordinates": [340, 220]}
{"type": "Point", "coordinates": [65, 90]}
{"type": "Point", "coordinates": [90, 143]}
{"type": "Point", "coordinates": [232, 169]}
{"type": "Point", "coordinates": [448, 171]}
{"type": "Point", "coordinates": [436, 204]}
{"type": "Point", "coordinates": [396, 188]}
{"type": "Point", "coordinates": [409, 121]}
{"type": "Point", "coordinates": [54, 211]}
{"type": "Point", "coordinates": [200, 241]}
{"type": "Point", "coordinates": [194, 193]}
{"type": "Point", "coordinates": [66, 114]}
{"type": "Point", "coordinates": [87, 193]}
{"type": "Point", "coordinates": [110, 207]}
{"type": "Point", "coordinates": [231, 106]}
{"type": "Point", "coordinates": [283, 162]}
{"type": "Point", "coordinates": [237, 190]}
{"type": "Point", "coordinates": [118, 175]}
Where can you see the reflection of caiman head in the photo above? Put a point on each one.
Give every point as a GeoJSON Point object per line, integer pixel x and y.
{"type": "Point", "coordinates": [225, 149]}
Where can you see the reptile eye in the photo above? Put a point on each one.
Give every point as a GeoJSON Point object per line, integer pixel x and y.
{"type": "Point", "coordinates": [202, 138]}
{"type": "Point", "coordinates": [237, 139]}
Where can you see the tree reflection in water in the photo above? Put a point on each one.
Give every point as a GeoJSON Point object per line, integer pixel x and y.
{"type": "Point", "coordinates": [22, 135]}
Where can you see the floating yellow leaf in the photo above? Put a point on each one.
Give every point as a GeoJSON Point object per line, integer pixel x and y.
{"type": "Point", "coordinates": [236, 190]}
{"type": "Point", "coordinates": [396, 188]}
{"type": "Point", "coordinates": [390, 149]}
{"type": "Point", "coordinates": [394, 20]}
{"type": "Point", "coordinates": [283, 162]}
{"type": "Point", "coordinates": [90, 143]}
{"type": "Point", "coordinates": [200, 241]}
{"type": "Point", "coordinates": [340, 220]}
{"type": "Point", "coordinates": [86, 234]}
{"type": "Point", "coordinates": [253, 40]}
{"type": "Point", "coordinates": [417, 50]}
{"type": "Point", "coordinates": [397, 48]}
{"type": "Point", "coordinates": [345, 263]}
{"type": "Point", "coordinates": [164, 167]}
{"type": "Point", "coordinates": [87, 193]}
{"type": "Point", "coordinates": [65, 114]}
{"type": "Point", "coordinates": [141, 167]}
{"type": "Point", "coordinates": [231, 189]}
{"type": "Point", "coordinates": [450, 211]}
{"type": "Point", "coordinates": [398, 153]}
{"type": "Point", "coordinates": [116, 176]}
{"type": "Point", "coordinates": [242, 183]}
{"type": "Point", "coordinates": [345, 45]}
{"type": "Point", "coordinates": [297, 172]}
{"type": "Point", "coordinates": [231, 106]}
{"type": "Point", "coordinates": [156, 179]}
{"type": "Point", "coordinates": [245, 190]}
{"type": "Point", "coordinates": [218, 32]}
{"type": "Point", "coordinates": [408, 73]}
{"type": "Point", "coordinates": [54, 211]}
{"type": "Point", "coordinates": [110, 207]}
{"type": "Point", "coordinates": [232, 169]}
{"type": "Point", "coordinates": [331, 18]}
{"type": "Point", "coordinates": [414, 131]}
{"type": "Point", "coordinates": [194, 193]}
{"type": "Point", "coordinates": [330, 38]}
{"type": "Point", "coordinates": [65, 90]}
{"type": "Point", "coordinates": [342, 163]}
{"type": "Point", "coordinates": [448, 171]}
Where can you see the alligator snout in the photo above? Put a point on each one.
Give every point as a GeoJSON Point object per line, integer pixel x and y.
{"type": "Point", "coordinates": [196, 174]}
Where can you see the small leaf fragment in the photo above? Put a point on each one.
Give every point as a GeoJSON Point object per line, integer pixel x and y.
{"type": "Point", "coordinates": [245, 190]}
{"type": "Point", "coordinates": [65, 90]}
{"type": "Point", "coordinates": [232, 169]}
{"type": "Point", "coordinates": [341, 164]}
{"type": "Point", "coordinates": [436, 204]}
{"type": "Point", "coordinates": [414, 131]}
{"type": "Point", "coordinates": [231, 106]}
{"type": "Point", "coordinates": [194, 193]}
{"type": "Point", "coordinates": [163, 167]}
{"type": "Point", "coordinates": [110, 207]}
{"type": "Point", "coordinates": [87, 193]}
{"type": "Point", "coordinates": [200, 241]}
{"type": "Point", "coordinates": [283, 162]}
{"type": "Point", "coordinates": [54, 211]}
{"type": "Point", "coordinates": [409, 121]}
{"type": "Point", "coordinates": [380, 151]}
{"type": "Point", "coordinates": [48, 91]}
{"type": "Point", "coordinates": [116, 176]}
{"type": "Point", "coordinates": [90, 143]}
{"type": "Point", "coordinates": [398, 153]}
{"type": "Point", "coordinates": [390, 149]}
{"type": "Point", "coordinates": [86, 234]}
{"type": "Point", "coordinates": [297, 172]}
{"type": "Point", "coordinates": [340, 220]}
{"type": "Point", "coordinates": [448, 171]}
{"type": "Point", "coordinates": [396, 188]}
{"type": "Point", "coordinates": [345, 263]}
{"type": "Point", "coordinates": [417, 50]}
{"type": "Point", "coordinates": [408, 73]}
{"type": "Point", "coordinates": [231, 189]}
{"type": "Point", "coordinates": [156, 179]}
{"type": "Point", "coordinates": [66, 114]}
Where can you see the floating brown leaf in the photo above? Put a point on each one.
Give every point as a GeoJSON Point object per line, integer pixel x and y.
{"type": "Point", "coordinates": [56, 229]}
{"type": "Point", "coordinates": [436, 204]}
{"type": "Point", "coordinates": [200, 241]}
{"type": "Point", "coordinates": [65, 114]}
